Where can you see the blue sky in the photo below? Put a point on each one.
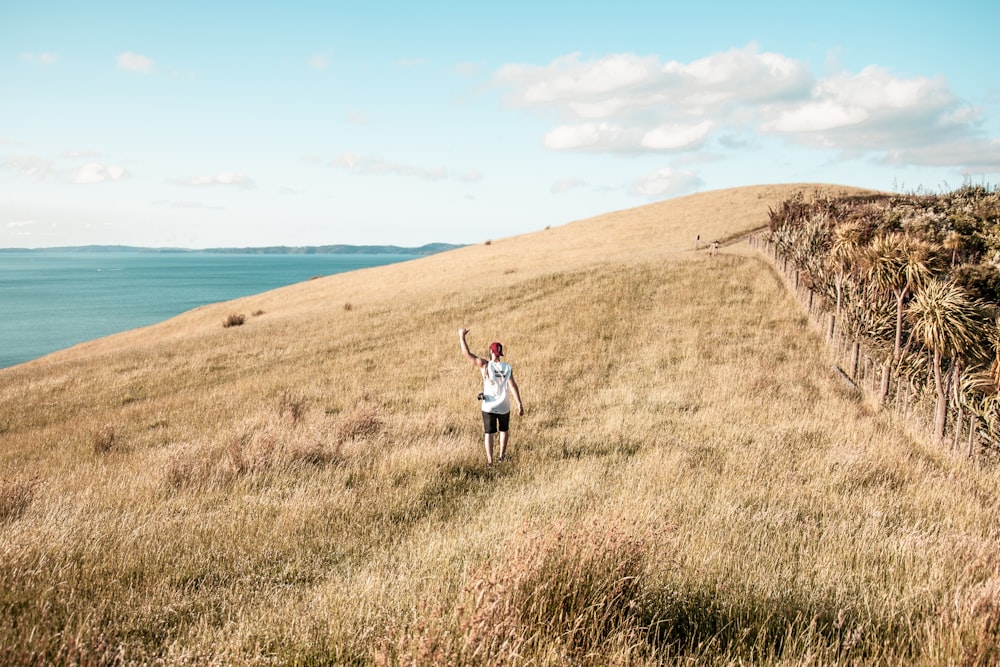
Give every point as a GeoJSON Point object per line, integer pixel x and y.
{"type": "Point", "coordinates": [202, 124]}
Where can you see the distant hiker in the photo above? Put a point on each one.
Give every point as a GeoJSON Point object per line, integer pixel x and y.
{"type": "Point", "coordinates": [697, 243]}
{"type": "Point", "coordinates": [498, 388]}
{"type": "Point", "coordinates": [715, 249]}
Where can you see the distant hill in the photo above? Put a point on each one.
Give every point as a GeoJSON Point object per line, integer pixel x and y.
{"type": "Point", "coordinates": [338, 249]}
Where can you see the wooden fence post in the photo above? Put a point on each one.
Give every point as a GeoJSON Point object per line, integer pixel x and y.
{"type": "Point", "coordinates": [864, 371]}
{"type": "Point", "coordinates": [972, 433]}
{"type": "Point", "coordinates": [884, 381]}
{"type": "Point", "coordinates": [958, 427]}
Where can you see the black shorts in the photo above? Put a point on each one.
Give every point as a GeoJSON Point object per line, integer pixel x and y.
{"type": "Point", "coordinates": [494, 422]}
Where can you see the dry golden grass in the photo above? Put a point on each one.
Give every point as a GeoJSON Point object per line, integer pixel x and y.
{"type": "Point", "coordinates": [690, 482]}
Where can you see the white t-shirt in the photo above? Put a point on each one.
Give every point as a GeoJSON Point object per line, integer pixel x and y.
{"type": "Point", "coordinates": [496, 374]}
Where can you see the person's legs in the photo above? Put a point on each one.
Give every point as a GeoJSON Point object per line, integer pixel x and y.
{"type": "Point", "coordinates": [490, 427]}
{"type": "Point", "coordinates": [503, 423]}
{"type": "Point", "coordinates": [489, 449]}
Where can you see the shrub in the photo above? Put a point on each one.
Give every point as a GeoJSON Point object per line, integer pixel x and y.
{"type": "Point", "coordinates": [981, 280]}
{"type": "Point", "coordinates": [259, 449]}
{"type": "Point", "coordinates": [103, 440]}
{"type": "Point", "coordinates": [15, 496]}
{"type": "Point", "coordinates": [348, 306]}
{"type": "Point", "coordinates": [293, 405]}
{"type": "Point", "coordinates": [582, 594]}
{"type": "Point", "coordinates": [363, 422]}
{"type": "Point", "coordinates": [189, 467]}
{"type": "Point", "coordinates": [234, 320]}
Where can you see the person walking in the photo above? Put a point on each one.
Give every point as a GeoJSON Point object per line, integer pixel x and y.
{"type": "Point", "coordinates": [499, 387]}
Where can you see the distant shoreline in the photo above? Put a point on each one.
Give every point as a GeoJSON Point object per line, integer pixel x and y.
{"type": "Point", "coordinates": [338, 249]}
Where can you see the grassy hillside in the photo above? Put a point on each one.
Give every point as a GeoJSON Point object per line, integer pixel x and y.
{"type": "Point", "coordinates": [690, 481]}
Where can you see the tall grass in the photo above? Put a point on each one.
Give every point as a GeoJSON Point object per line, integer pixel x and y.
{"type": "Point", "coordinates": [561, 593]}
{"type": "Point", "coordinates": [690, 484]}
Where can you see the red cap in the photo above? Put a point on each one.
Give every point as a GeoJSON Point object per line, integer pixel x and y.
{"type": "Point", "coordinates": [496, 349]}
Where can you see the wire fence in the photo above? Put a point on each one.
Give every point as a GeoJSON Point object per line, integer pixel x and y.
{"type": "Point", "coordinates": [912, 401]}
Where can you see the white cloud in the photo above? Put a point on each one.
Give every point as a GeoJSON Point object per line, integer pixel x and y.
{"type": "Point", "coordinates": [44, 58]}
{"type": "Point", "coordinates": [30, 166]}
{"type": "Point", "coordinates": [666, 182]}
{"type": "Point", "coordinates": [671, 137]}
{"type": "Point", "coordinates": [222, 178]}
{"type": "Point", "coordinates": [93, 172]}
{"type": "Point", "coordinates": [134, 62]}
{"type": "Point", "coordinates": [875, 88]}
{"type": "Point", "coordinates": [606, 108]}
{"type": "Point", "coordinates": [38, 168]}
{"type": "Point", "coordinates": [567, 79]}
{"type": "Point", "coordinates": [626, 103]}
{"type": "Point", "coordinates": [739, 76]}
{"type": "Point", "coordinates": [870, 97]}
{"type": "Point", "coordinates": [970, 155]}
{"type": "Point", "coordinates": [617, 83]}
{"type": "Point", "coordinates": [962, 116]}
{"type": "Point", "coordinates": [817, 117]}
{"type": "Point", "coordinates": [607, 136]}
{"type": "Point", "coordinates": [17, 228]}
{"type": "Point", "coordinates": [643, 104]}
{"type": "Point", "coordinates": [585, 136]}
{"type": "Point", "coordinates": [876, 112]}
{"type": "Point", "coordinates": [318, 62]}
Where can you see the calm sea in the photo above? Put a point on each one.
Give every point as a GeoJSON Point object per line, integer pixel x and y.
{"type": "Point", "coordinates": [54, 299]}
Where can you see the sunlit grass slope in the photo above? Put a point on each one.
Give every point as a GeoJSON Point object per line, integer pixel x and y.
{"type": "Point", "coordinates": [690, 482]}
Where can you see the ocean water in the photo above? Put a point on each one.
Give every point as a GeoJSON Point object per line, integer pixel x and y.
{"type": "Point", "coordinates": [50, 300]}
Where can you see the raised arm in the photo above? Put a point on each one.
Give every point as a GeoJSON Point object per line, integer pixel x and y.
{"type": "Point", "coordinates": [478, 362]}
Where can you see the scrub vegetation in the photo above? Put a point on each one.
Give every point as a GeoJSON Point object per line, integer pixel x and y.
{"type": "Point", "coordinates": [691, 484]}
{"type": "Point", "coordinates": [914, 278]}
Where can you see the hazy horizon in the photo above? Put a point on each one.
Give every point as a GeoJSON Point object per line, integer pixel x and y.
{"type": "Point", "coordinates": [351, 248]}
